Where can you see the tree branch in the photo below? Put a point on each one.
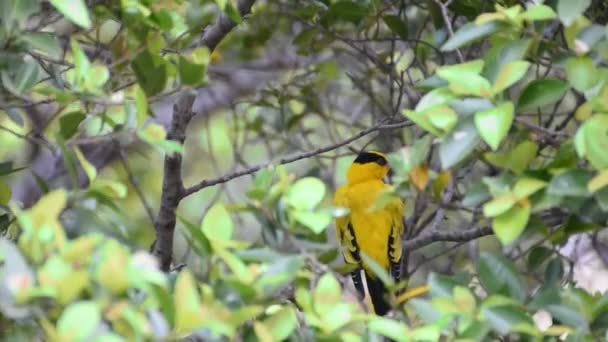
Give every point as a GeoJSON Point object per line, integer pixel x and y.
{"type": "Point", "coordinates": [172, 182]}
{"type": "Point", "coordinates": [173, 187]}
{"type": "Point", "coordinates": [453, 236]}
{"type": "Point", "coordinates": [214, 35]}
{"type": "Point", "coordinates": [290, 159]}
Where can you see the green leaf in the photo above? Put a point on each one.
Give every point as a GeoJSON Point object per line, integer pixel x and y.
{"type": "Point", "coordinates": [538, 12]}
{"type": "Point", "coordinates": [521, 156]}
{"type": "Point", "coordinates": [598, 182]}
{"type": "Point", "coordinates": [75, 10]}
{"type": "Point", "coordinates": [509, 226]}
{"type": "Point", "coordinates": [16, 12]}
{"type": "Point", "coordinates": [442, 285]}
{"type": "Point", "coordinates": [397, 25]}
{"type": "Point", "coordinates": [458, 144]}
{"type": "Point", "coordinates": [44, 42]}
{"type": "Point", "coordinates": [317, 221]}
{"type": "Point", "coordinates": [109, 188]}
{"type": "Point", "coordinates": [570, 183]}
{"type": "Point", "coordinates": [68, 123]}
{"type": "Point", "coordinates": [442, 117]}
{"type": "Point", "coordinates": [306, 193]}
{"type": "Point", "coordinates": [475, 194]}
{"type": "Point", "coordinates": [396, 331]}
{"type": "Point", "coordinates": [595, 140]}
{"type": "Point", "coordinates": [345, 11]}
{"type": "Point", "coordinates": [217, 223]}
{"type": "Point", "coordinates": [569, 10]}
{"type": "Point", "coordinates": [282, 323]}
{"type": "Point", "coordinates": [28, 74]}
{"type": "Point", "coordinates": [581, 73]}
{"type": "Point", "coordinates": [421, 119]}
{"type": "Point", "coordinates": [539, 93]}
{"type": "Point", "coordinates": [434, 98]}
{"type": "Point", "coordinates": [193, 70]}
{"type": "Point", "coordinates": [186, 301]}
{"type": "Point", "coordinates": [506, 319]}
{"type": "Point", "coordinates": [497, 275]}
{"type": "Point", "coordinates": [554, 272]}
{"type": "Point", "coordinates": [89, 169]}
{"type": "Point", "coordinates": [494, 124]}
{"type": "Point", "coordinates": [509, 74]}
{"type": "Point", "coordinates": [279, 273]}
{"type": "Point", "coordinates": [191, 73]}
{"type": "Point", "coordinates": [5, 193]}
{"type": "Point", "coordinates": [470, 33]}
{"type": "Point", "coordinates": [79, 321]}
{"type": "Point", "coordinates": [524, 187]}
{"type": "Point", "coordinates": [195, 236]}
{"type": "Point", "coordinates": [151, 72]}
{"type": "Point", "coordinates": [464, 78]}
{"type": "Point", "coordinates": [537, 256]}
{"type": "Point", "coordinates": [568, 316]}
{"type": "Point", "coordinates": [141, 105]}
{"type": "Point", "coordinates": [424, 309]}
{"type": "Point", "coordinates": [327, 293]}
{"type": "Point", "coordinates": [499, 205]}
{"type": "Point", "coordinates": [82, 66]}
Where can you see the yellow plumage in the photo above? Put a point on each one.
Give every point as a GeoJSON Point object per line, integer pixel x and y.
{"type": "Point", "coordinates": [369, 228]}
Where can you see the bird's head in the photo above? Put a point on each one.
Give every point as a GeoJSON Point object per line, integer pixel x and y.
{"type": "Point", "coordinates": [368, 165]}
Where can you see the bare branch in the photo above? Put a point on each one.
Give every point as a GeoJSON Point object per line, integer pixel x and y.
{"type": "Point", "coordinates": [173, 187]}
{"type": "Point", "coordinates": [172, 182]}
{"type": "Point", "coordinates": [214, 35]}
{"type": "Point", "coordinates": [289, 159]}
{"type": "Point", "coordinates": [453, 236]}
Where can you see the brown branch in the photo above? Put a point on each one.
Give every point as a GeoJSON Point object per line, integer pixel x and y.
{"type": "Point", "coordinates": [214, 35]}
{"type": "Point", "coordinates": [452, 236]}
{"type": "Point", "coordinates": [172, 182]}
{"type": "Point", "coordinates": [173, 188]}
{"type": "Point", "coordinates": [290, 159]}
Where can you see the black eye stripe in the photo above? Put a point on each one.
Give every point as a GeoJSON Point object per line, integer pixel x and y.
{"type": "Point", "coordinates": [370, 157]}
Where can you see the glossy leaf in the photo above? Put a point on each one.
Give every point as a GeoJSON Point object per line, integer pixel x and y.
{"type": "Point", "coordinates": [217, 223]}
{"type": "Point", "coordinates": [470, 33]}
{"type": "Point", "coordinates": [494, 124]}
{"type": "Point", "coordinates": [570, 183]}
{"type": "Point", "coordinates": [397, 25]}
{"type": "Point", "coordinates": [498, 275]}
{"type": "Point", "coordinates": [79, 321]}
{"type": "Point", "coordinates": [539, 93]}
{"type": "Point", "coordinates": [581, 73]}
{"type": "Point", "coordinates": [306, 193]}
{"type": "Point", "coordinates": [569, 10]}
{"type": "Point", "coordinates": [509, 74]}
{"type": "Point", "coordinates": [458, 144]}
{"type": "Point", "coordinates": [509, 225]}
{"type": "Point", "coordinates": [75, 10]}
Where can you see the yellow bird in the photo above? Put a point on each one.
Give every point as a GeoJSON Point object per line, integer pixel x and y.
{"type": "Point", "coordinates": [368, 228]}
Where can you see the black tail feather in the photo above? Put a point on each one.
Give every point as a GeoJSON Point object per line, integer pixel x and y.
{"type": "Point", "coordinates": [377, 293]}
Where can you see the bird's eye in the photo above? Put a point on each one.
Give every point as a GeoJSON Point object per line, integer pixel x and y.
{"type": "Point", "coordinates": [381, 161]}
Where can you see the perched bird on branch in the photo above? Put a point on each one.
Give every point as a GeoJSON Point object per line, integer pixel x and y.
{"type": "Point", "coordinates": [373, 225]}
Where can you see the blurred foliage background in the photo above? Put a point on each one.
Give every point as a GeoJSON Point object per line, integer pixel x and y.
{"type": "Point", "coordinates": [219, 130]}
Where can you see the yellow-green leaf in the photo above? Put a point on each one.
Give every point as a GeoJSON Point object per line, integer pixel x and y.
{"type": "Point", "coordinates": [509, 74]}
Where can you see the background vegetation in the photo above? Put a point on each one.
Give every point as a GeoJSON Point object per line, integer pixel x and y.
{"type": "Point", "coordinates": [219, 130]}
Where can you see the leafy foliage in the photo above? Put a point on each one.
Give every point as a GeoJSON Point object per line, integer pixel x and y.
{"type": "Point", "coordinates": [495, 115]}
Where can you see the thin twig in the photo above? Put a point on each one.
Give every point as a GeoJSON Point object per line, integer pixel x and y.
{"type": "Point", "coordinates": [289, 159]}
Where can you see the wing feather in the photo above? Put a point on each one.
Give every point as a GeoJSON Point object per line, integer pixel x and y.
{"type": "Point", "coordinates": [344, 229]}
